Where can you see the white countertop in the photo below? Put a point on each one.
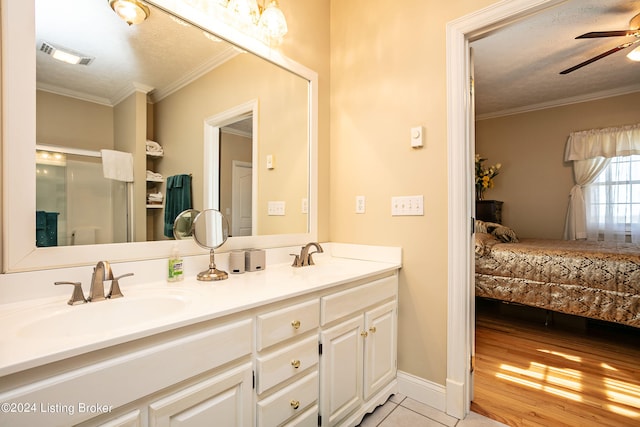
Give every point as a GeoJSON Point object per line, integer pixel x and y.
{"type": "Point", "coordinates": [23, 345]}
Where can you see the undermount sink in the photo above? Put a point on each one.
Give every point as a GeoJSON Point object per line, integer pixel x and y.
{"type": "Point", "coordinates": [108, 316]}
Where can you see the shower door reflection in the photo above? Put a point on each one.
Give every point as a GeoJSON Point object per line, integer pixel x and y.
{"type": "Point", "coordinates": [75, 204]}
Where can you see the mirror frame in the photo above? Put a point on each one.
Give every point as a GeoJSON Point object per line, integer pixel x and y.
{"type": "Point", "coordinates": [19, 252]}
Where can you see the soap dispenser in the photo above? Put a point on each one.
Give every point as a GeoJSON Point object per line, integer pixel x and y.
{"type": "Point", "coordinates": [175, 266]}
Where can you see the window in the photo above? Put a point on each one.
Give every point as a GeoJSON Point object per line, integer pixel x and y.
{"type": "Point", "coordinates": [613, 201]}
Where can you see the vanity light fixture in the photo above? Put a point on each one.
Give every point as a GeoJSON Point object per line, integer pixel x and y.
{"type": "Point", "coordinates": [246, 12]}
{"type": "Point", "coordinates": [272, 21]}
{"type": "Point", "coordinates": [634, 55]}
{"type": "Point", "coordinates": [131, 11]}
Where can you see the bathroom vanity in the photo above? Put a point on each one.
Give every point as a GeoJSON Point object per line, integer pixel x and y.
{"type": "Point", "coordinates": [284, 346]}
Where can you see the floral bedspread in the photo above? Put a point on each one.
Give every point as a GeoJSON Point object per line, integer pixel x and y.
{"type": "Point", "coordinates": [600, 280]}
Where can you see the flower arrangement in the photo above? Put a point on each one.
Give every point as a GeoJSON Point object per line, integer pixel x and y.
{"type": "Point", "coordinates": [484, 176]}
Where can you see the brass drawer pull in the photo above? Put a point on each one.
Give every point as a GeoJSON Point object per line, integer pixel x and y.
{"type": "Point", "coordinates": [295, 363]}
{"type": "Point", "coordinates": [295, 324]}
{"type": "Point", "coordinates": [295, 404]}
{"type": "Point", "coordinates": [372, 329]}
{"type": "Point", "coordinates": [364, 334]}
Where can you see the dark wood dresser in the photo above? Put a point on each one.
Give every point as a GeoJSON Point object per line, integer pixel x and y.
{"type": "Point", "coordinates": [489, 210]}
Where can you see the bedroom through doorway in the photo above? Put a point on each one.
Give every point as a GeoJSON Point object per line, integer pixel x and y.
{"type": "Point", "coordinates": [536, 367]}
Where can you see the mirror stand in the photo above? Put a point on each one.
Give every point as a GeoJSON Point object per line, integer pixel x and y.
{"type": "Point", "coordinates": [212, 273]}
{"type": "Point", "coordinates": [210, 230]}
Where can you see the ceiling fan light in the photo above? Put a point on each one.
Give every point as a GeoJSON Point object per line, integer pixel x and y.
{"type": "Point", "coordinates": [272, 22]}
{"type": "Point", "coordinates": [131, 11]}
{"type": "Point", "coordinates": [634, 55]}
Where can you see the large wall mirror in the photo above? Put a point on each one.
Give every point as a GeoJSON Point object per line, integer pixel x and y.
{"type": "Point", "coordinates": [237, 120]}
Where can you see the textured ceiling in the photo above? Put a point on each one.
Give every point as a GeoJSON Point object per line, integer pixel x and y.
{"type": "Point", "coordinates": [161, 54]}
{"type": "Point", "coordinates": [517, 67]}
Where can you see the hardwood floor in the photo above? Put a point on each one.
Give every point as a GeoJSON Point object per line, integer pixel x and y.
{"type": "Point", "coordinates": [530, 375]}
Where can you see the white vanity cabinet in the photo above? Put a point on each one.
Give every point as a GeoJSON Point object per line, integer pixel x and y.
{"type": "Point", "coordinates": [287, 365]}
{"type": "Point", "coordinates": [358, 362]}
{"type": "Point", "coordinates": [142, 382]}
{"type": "Point", "coordinates": [322, 355]}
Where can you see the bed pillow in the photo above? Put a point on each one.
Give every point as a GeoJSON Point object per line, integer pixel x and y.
{"type": "Point", "coordinates": [484, 242]}
{"type": "Point", "coordinates": [504, 234]}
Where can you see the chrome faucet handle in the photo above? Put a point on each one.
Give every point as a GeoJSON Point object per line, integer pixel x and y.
{"type": "Point", "coordinates": [296, 261]}
{"type": "Point", "coordinates": [114, 291]}
{"type": "Point", "coordinates": [77, 297]}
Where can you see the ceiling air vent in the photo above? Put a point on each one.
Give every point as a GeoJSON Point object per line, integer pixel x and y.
{"type": "Point", "coordinates": [66, 55]}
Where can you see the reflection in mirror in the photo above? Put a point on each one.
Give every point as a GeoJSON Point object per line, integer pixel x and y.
{"type": "Point", "coordinates": [183, 225]}
{"type": "Point", "coordinates": [158, 81]}
{"type": "Point", "coordinates": [210, 230]}
{"type": "Point", "coordinates": [52, 112]}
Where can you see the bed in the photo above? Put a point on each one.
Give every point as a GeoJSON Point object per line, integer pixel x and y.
{"type": "Point", "coordinates": [598, 280]}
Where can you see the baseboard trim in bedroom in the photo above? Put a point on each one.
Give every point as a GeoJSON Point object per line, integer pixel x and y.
{"type": "Point", "coordinates": [422, 390]}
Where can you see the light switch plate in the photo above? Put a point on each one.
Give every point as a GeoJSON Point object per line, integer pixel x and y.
{"type": "Point", "coordinates": [417, 136]}
{"type": "Point", "coordinates": [276, 208]}
{"type": "Point", "coordinates": [407, 205]}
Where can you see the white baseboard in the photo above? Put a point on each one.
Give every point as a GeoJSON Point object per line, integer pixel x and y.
{"type": "Point", "coordinates": [427, 392]}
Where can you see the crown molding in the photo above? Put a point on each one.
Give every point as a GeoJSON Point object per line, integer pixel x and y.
{"type": "Point", "coordinates": [561, 102]}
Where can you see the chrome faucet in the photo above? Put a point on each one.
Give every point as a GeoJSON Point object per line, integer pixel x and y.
{"type": "Point", "coordinates": [101, 272]}
{"type": "Point", "coordinates": [305, 257]}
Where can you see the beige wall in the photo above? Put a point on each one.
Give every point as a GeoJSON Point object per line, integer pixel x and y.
{"type": "Point", "coordinates": [388, 73]}
{"type": "Point", "coordinates": [70, 122]}
{"type": "Point", "coordinates": [307, 42]}
{"type": "Point", "coordinates": [130, 119]}
{"type": "Point", "coordinates": [282, 132]}
{"type": "Point", "coordinates": [534, 183]}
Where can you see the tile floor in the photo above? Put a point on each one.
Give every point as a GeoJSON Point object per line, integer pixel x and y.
{"type": "Point", "coordinates": [401, 411]}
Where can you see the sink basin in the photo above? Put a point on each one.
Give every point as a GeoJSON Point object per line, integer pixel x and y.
{"type": "Point", "coordinates": [99, 318]}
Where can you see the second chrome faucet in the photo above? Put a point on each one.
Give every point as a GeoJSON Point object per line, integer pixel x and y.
{"type": "Point", "coordinates": [305, 258]}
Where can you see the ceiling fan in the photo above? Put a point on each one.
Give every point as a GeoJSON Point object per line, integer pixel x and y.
{"type": "Point", "coordinates": [634, 30]}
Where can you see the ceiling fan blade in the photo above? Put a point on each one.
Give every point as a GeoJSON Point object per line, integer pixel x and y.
{"type": "Point", "coordinates": [602, 55]}
{"type": "Point", "coordinates": [596, 34]}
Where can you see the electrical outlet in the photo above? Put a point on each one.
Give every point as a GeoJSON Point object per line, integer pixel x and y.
{"type": "Point", "coordinates": [360, 204]}
{"type": "Point", "coordinates": [407, 206]}
{"type": "Point", "coordinates": [305, 206]}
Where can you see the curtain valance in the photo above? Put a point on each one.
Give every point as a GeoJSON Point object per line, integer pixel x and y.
{"type": "Point", "coordinates": [607, 143]}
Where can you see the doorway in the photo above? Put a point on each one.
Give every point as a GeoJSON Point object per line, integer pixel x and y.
{"type": "Point", "coordinates": [231, 140]}
{"type": "Point", "coordinates": [461, 303]}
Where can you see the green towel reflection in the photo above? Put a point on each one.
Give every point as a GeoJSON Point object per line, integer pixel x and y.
{"type": "Point", "coordinates": [177, 199]}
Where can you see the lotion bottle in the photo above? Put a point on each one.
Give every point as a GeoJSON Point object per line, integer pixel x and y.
{"type": "Point", "coordinates": [175, 266]}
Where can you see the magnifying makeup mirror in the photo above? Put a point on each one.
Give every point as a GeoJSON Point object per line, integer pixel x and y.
{"type": "Point", "coordinates": [183, 225]}
{"type": "Point", "coordinates": [211, 230]}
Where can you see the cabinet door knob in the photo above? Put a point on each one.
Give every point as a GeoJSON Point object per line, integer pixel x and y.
{"type": "Point", "coordinates": [295, 404]}
{"type": "Point", "coordinates": [295, 324]}
{"type": "Point", "coordinates": [295, 363]}
{"type": "Point", "coordinates": [364, 334]}
{"type": "Point", "coordinates": [372, 329]}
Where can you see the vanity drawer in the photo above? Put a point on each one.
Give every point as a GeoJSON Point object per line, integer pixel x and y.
{"type": "Point", "coordinates": [288, 402]}
{"type": "Point", "coordinates": [281, 365]}
{"type": "Point", "coordinates": [289, 322]}
{"type": "Point", "coordinates": [308, 419]}
{"type": "Point", "coordinates": [341, 304]}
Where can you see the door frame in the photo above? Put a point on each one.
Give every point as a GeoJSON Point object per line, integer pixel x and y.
{"type": "Point", "coordinates": [461, 209]}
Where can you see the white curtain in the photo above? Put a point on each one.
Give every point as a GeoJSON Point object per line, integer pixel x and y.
{"type": "Point", "coordinates": [584, 173]}
{"type": "Point", "coordinates": [590, 150]}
